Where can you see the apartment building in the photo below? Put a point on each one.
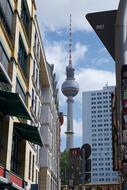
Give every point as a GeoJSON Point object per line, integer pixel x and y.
{"type": "Point", "coordinates": [97, 131]}
{"type": "Point", "coordinates": [24, 80]}
{"type": "Point", "coordinates": [49, 157]}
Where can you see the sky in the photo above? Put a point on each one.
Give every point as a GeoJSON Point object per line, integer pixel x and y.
{"type": "Point", "coordinates": [94, 67]}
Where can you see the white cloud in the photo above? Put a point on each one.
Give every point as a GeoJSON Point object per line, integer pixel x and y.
{"type": "Point", "coordinates": [78, 53]}
{"type": "Point", "coordinates": [92, 79]}
{"type": "Point", "coordinates": [99, 61]}
{"type": "Point", "coordinates": [54, 15]}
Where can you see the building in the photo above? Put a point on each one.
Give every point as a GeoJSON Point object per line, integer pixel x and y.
{"type": "Point", "coordinates": [50, 153]}
{"type": "Point", "coordinates": [97, 131]}
{"type": "Point", "coordinates": [25, 81]}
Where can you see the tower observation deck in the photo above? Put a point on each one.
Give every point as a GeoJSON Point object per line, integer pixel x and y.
{"type": "Point", "coordinates": [70, 89]}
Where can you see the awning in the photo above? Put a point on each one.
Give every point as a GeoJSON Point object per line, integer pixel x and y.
{"type": "Point", "coordinates": [29, 133]}
{"type": "Point", "coordinates": [13, 105]}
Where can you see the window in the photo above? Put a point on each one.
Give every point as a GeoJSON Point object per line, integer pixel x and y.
{"type": "Point", "coordinates": [99, 115]}
{"type": "Point", "coordinates": [16, 154]}
{"type": "Point", "coordinates": [101, 164]}
{"type": "Point", "coordinates": [20, 90]}
{"type": "Point", "coordinates": [35, 104]}
{"type": "Point", "coordinates": [22, 57]}
{"type": "Point", "coordinates": [36, 77]}
{"type": "Point", "coordinates": [37, 46]}
{"type": "Point", "coordinates": [101, 179]}
{"type": "Point", "coordinates": [107, 158]}
{"type": "Point", "coordinates": [34, 68]}
{"type": "Point", "coordinates": [25, 15]}
{"type": "Point", "coordinates": [107, 169]}
{"type": "Point", "coordinates": [94, 174]}
{"type": "Point", "coordinates": [99, 98]}
{"type": "Point", "coordinates": [32, 102]}
{"type": "Point", "coordinates": [6, 15]}
{"type": "Point", "coordinates": [101, 169]}
{"type": "Point", "coordinates": [100, 159]}
{"type": "Point", "coordinates": [94, 149]}
{"type": "Point", "coordinates": [30, 156]}
{"type": "Point", "coordinates": [33, 168]}
{"type": "Point", "coordinates": [94, 164]}
{"type": "Point", "coordinates": [36, 176]}
{"type": "Point", "coordinates": [93, 98]}
{"type": "Point", "coordinates": [94, 169]}
{"type": "Point", "coordinates": [100, 144]}
{"type": "Point", "coordinates": [3, 58]}
{"type": "Point", "coordinates": [101, 174]}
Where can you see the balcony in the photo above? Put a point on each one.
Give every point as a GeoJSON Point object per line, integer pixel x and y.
{"type": "Point", "coordinates": [6, 16]}
{"type": "Point", "coordinates": [10, 180]}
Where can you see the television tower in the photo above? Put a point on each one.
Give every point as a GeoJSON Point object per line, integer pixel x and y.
{"type": "Point", "coordinates": [70, 89]}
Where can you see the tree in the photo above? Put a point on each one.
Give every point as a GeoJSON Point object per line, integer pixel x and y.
{"type": "Point", "coordinates": [64, 167]}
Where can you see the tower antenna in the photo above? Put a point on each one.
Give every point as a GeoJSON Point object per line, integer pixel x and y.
{"type": "Point", "coordinates": [70, 43]}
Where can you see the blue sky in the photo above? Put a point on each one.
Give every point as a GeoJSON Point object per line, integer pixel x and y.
{"type": "Point", "coordinates": [94, 66]}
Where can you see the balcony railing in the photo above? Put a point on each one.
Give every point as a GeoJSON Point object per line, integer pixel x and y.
{"type": "Point", "coordinates": [6, 15]}
{"type": "Point", "coordinates": [13, 179]}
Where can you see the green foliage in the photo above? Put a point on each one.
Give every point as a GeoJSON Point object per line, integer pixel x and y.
{"type": "Point", "coordinates": [64, 167]}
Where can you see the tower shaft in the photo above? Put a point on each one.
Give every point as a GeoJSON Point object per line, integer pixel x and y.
{"type": "Point", "coordinates": [69, 133]}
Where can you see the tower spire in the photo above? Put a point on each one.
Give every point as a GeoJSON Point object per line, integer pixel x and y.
{"type": "Point", "coordinates": [70, 43]}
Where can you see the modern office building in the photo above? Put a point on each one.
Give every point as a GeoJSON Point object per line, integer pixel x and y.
{"type": "Point", "coordinates": [97, 131]}
{"type": "Point", "coordinates": [24, 80]}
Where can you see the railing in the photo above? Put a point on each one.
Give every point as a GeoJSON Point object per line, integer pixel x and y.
{"type": "Point", "coordinates": [15, 179]}
{"type": "Point", "coordinates": [12, 177]}
{"type": "Point", "coordinates": [1, 171]}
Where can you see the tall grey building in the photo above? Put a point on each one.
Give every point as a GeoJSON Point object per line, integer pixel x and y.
{"type": "Point", "coordinates": [97, 131]}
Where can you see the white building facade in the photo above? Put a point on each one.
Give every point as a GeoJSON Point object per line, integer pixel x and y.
{"type": "Point", "coordinates": [97, 131]}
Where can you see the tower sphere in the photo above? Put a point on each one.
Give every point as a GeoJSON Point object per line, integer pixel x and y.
{"type": "Point", "coordinates": [70, 88]}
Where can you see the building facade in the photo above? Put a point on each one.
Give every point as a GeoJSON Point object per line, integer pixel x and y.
{"type": "Point", "coordinates": [97, 131]}
{"type": "Point", "coordinates": [50, 153]}
{"type": "Point", "coordinates": [25, 83]}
